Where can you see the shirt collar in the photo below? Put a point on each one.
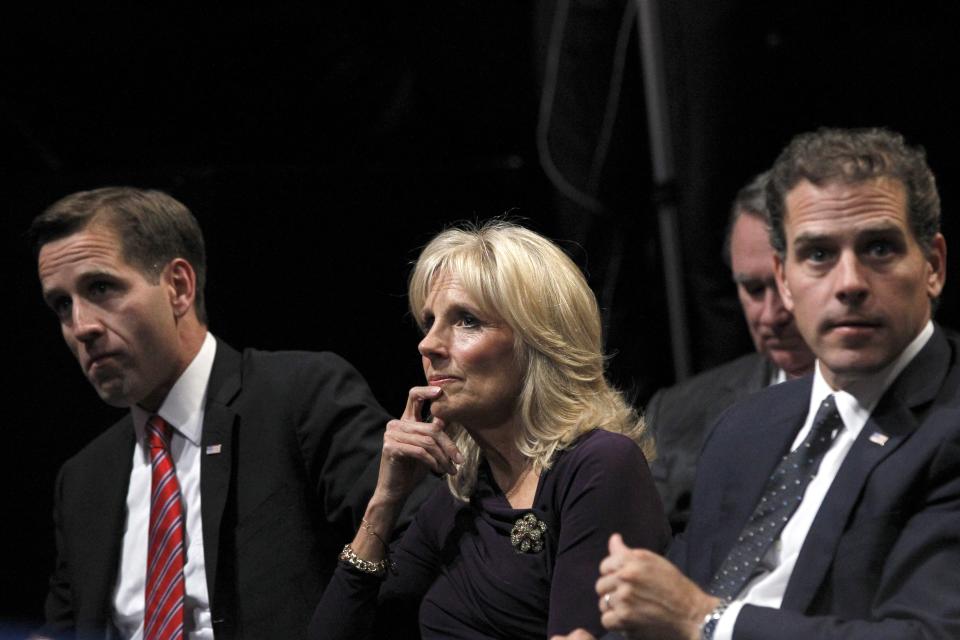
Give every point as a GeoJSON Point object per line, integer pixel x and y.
{"type": "Point", "coordinates": [778, 376]}
{"type": "Point", "coordinates": [863, 394]}
{"type": "Point", "coordinates": [183, 406]}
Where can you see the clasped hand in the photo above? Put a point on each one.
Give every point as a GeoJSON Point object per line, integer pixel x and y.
{"type": "Point", "coordinates": [643, 595]}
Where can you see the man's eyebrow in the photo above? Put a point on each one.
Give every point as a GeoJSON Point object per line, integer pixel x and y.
{"type": "Point", "coordinates": [83, 278]}
{"type": "Point", "coordinates": [49, 295]}
{"type": "Point", "coordinates": [883, 231]}
{"type": "Point", "coordinates": [741, 278]}
{"type": "Point", "coordinates": [810, 238]}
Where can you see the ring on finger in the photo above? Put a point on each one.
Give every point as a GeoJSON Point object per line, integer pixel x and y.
{"type": "Point", "coordinates": [607, 604]}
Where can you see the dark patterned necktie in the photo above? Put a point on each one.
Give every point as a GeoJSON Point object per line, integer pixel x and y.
{"type": "Point", "coordinates": [163, 613]}
{"type": "Point", "coordinates": [781, 497]}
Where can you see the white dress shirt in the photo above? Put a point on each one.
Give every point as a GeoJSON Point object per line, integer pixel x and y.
{"type": "Point", "coordinates": [183, 409]}
{"type": "Point", "coordinates": [777, 377]}
{"type": "Point", "coordinates": [855, 404]}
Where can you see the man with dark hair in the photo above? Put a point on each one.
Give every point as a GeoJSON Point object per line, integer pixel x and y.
{"type": "Point", "coordinates": [829, 506]}
{"type": "Point", "coordinates": [218, 505]}
{"type": "Point", "coordinates": [681, 416]}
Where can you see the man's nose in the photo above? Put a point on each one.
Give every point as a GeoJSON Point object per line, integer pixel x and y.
{"type": "Point", "coordinates": [85, 322]}
{"type": "Point", "coordinates": [851, 286]}
{"type": "Point", "coordinates": [774, 313]}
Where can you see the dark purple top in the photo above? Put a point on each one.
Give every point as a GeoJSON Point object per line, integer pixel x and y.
{"type": "Point", "coordinates": [456, 561]}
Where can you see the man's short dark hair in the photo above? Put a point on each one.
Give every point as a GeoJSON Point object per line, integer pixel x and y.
{"type": "Point", "coordinates": [853, 156]}
{"type": "Point", "coordinates": [751, 200]}
{"type": "Point", "coordinates": [153, 227]}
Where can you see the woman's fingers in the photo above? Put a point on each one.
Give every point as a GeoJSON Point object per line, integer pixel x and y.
{"type": "Point", "coordinates": [414, 452]}
{"type": "Point", "coordinates": [432, 445]}
{"type": "Point", "coordinates": [416, 398]}
{"type": "Point", "coordinates": [446, 443]}
{"type": "Point", "coordinates": [443, 453]}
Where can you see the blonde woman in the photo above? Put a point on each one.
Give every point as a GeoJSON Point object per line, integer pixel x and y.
{"type": "Point", "coordinates": [543, 458]}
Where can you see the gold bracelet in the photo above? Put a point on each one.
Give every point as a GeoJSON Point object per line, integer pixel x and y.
{"type": "Point", "coordinates": [369, 529]}
{"type": "Point", "coordinates": [378, 569]}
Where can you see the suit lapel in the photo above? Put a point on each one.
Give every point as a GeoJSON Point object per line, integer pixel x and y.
{"type": "Point", "coordinates": [821, 542]}
{"type": "Point", "coordinates": [216, 452]}
{"type": "Point", "coordinates": [755, 454]}
{"type": "Point", "coordinates": [760, 377]}
{"type": "Point", "coordinates": [895, 418]}
{"type": "Point", "coordinates": [107, 504]}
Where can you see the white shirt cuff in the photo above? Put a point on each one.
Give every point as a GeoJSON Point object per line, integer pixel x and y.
{"type": "Point", "coordinates": [725, 624]}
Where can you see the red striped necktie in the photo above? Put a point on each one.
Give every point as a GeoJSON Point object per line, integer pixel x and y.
{"type": "Point", "coordinates": [163, 617]}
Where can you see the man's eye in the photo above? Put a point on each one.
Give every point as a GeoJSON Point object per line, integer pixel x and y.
{"type": "Point", "coordinates": [880, 249]}
{"type": "Point", "coordinates": [100, 287]}
{"type": "Point", "coordinates": [61, 307]}
{"type": "Point", "coordinates": [754, 290]}
{"type": "Point", "coordinates": [817, 255]}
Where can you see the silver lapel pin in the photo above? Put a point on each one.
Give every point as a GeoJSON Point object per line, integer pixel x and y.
{"type": "Point", "coordinates": [879, 438]}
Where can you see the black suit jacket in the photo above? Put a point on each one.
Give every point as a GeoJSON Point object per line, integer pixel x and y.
{"type": "Point", "coordinates": [680, 418]}
{"type": "Point", "coordinates": [299, 435]}
{"type": "Point", "coordinates": [882, 558]}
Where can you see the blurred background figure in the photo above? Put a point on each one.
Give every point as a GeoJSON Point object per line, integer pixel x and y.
{"type": "Point", "coordinates": [682, 415]}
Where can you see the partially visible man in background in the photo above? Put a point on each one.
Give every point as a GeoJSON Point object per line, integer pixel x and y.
{"type": "Point", "coordinates": [681, 416]}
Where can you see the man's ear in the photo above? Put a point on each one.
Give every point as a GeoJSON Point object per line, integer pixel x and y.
{"type": "Point", "coordinates": [181, 280]}
{"type": "Point", "coordinates": [779, 268]}
{"type": "Point", "coordinates": [937, 265]}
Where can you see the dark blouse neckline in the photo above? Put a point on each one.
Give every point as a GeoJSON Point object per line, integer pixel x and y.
{"type": "Point", "coordinates": [489, 494]}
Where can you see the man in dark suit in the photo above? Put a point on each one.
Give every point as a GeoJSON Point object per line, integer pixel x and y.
{"type": "Point", "coordinates": [829, 506]}
{"type": "Point", "coordinates": [682, 415]}
{"type": "Point", "coordinates": [274, 454]}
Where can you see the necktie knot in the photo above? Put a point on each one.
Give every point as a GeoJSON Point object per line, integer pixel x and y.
{"type": "Point", "coordinates": [159, 433]}
{"type": "Point", "coordinates": [821, 433]}
{"type": "Point", "coordinates": [827, 418]}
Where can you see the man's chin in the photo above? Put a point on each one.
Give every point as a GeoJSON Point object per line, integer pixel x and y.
{"type": "Point", "coordinates": [794, 362]}
{"type": "Point", "coordinates": [841, 369]}
{"type": "Point", "coordinates": [113, 393]}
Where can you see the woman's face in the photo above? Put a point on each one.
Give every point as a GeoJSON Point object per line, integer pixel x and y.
{"type": "Point", "coordinates": [470, 355]}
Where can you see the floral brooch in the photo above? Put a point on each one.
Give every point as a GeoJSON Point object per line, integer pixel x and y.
{"type": "Point", "coordinates": [527, 534]}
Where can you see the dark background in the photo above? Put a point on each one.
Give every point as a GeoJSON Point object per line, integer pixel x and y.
{"type": "Point", "coordinates": [319, 145]}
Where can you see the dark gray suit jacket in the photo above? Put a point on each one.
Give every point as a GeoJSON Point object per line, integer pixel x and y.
{"type": "Point", "coordinates": [680, 418]}
{"type": "Point", "coordinates": [882, 558]}
{"type": "Point", "coordinates": [300, 436]}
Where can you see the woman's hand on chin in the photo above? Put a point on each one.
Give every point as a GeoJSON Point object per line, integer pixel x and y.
{"type": "Point", "coordinates": [411, 447]}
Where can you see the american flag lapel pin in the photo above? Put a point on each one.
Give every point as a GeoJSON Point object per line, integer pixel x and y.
{"type": "Point", "coordinates": [879, 438]}
{"type": "Point", "coordinates": [214, 449]}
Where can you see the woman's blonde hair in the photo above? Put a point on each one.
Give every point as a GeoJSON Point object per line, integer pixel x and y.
{"type": "Point", "coordinates": [529, 283]}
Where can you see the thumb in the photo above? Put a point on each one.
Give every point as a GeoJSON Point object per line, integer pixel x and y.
{"type": "Point", "coordinates": [616, 545]}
